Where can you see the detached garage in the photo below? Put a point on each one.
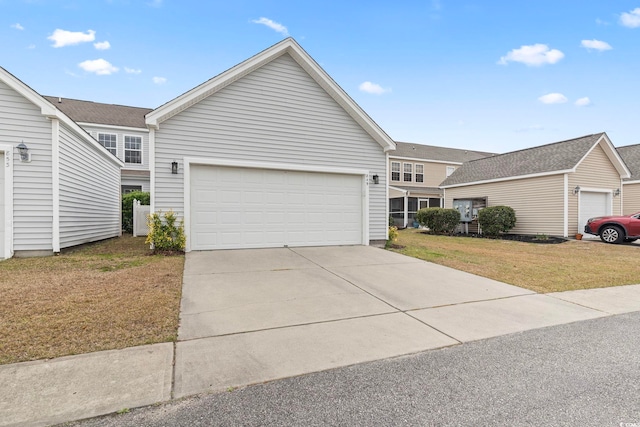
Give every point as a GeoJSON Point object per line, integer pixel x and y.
{"type": "Point", "coordinates": [270, 153]}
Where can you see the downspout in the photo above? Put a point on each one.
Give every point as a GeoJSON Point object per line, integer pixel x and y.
{"type": "Point", "coordinates": [565, 224]}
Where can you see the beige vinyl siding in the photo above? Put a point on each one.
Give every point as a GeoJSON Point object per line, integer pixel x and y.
{"type": "Point", "coordinates": [276, 114]}
{"type": "Point", "coordinates": [20, 121]}
{"type": "Point", "coordinates": [594, 172]}
{"type": "Point", "coordinates": [631, 198]}
{"type": "Point", "coordinates": [434, 173]}
{"type": "Point", "coordinates": [93, 130]}
{"type": "Point", "coordinates": [538, 202]}
{"type": "Point", "coordinates": [89, 192]}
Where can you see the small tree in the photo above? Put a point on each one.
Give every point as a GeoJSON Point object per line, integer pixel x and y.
{"type": "Point", "coordinates": [496, 219]}
{"type": "Point", "coordinates": [439, 220]}
{"type": "Point", "coordinates": [164, 234]}
{"type": "Point", "coordinates": [127, 207]}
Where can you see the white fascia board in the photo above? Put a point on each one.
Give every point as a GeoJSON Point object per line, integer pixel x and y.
{"type": "Point", "coordinates": [115, 127]}
{"type": "Point", "coordinates": [275, 166]}
{"type": "Point", "coordinates": [630, 182]}
{"type": "Point", "coordinates": [510, 178]}
{"type": "Point", "coordinates": [417, 159]}
{"type": "Point", "coordinates": [290, 46]}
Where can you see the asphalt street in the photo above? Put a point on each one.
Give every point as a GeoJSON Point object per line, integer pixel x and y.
{"type": "Point", "coordinates": [580, 374]}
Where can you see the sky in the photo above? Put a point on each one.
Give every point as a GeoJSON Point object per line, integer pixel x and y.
{"type": "Point", "coordinates": [487, 75]}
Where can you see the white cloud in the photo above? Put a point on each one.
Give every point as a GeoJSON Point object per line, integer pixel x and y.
{"type": "Point", "coordinates": [31, 46]}
{"type": "Point", "coordinates": [596, 44]}
{"type": "Point", "coordinates": [132, 70]}
{"type": "Point", "coordinates": [277, 27]}
{"type": "Point", "coordinates": [631, 19]}
{"type": "Point", "coordinates": [155, 3]}
{"type": "Point", "coordinates": [62, 38]}
{"type": "Point", "coordinates": [159, 80]}
{"type": "Point", "coordinates": [372, 88]}
{"type": "Point", "coordinates": [583, 102]}
{"type": "Point", "coordinates": [17, 26]}
{"type": "Point", "coordinates": [553, 98]}
{"type": "Point", "coordinates": [98, 66]}
{"type": "Point", "coordinates": [601, 22]}
{"type": "Point", "coordinates": [102, 45]}
{"type": "Point", "coordinates": [533, 55]}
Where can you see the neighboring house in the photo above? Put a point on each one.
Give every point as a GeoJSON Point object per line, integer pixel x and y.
{"type": "Point", "coordinates": [120, 129]}
{"type": "Point", "coordinates": [631, 186]}
{"type": "Point", "coordinates": [416, 171]}
{"type": "Point", "coordinates": [270, 153]}
{"type": "Point", "coordinates": [62, 189]}
{"type": "Point", "coordinates": [553, 188]}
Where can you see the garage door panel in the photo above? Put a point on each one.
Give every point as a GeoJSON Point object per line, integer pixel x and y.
{"type": "Point", "coordinates": [243, 207]}
{"type": "Point", "coordinates": [593, 204]}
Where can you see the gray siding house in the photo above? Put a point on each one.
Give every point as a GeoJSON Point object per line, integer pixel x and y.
{"type": "Point", "coordinates": [120, 129]}
{"type": "Point", "coordinates": [631, 186]}
{"type": "Point", "coordinates": [553, 188]}
{"type": "Point", "coordinates": [64, 190]}
{"type": "Point", "coordinates": [270, 153]}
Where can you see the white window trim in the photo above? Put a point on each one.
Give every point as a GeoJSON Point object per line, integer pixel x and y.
{"type": "Point", "coordinates": [189, 161]}
{"type": "Point", "coordinates": [399, 171]}
{"type": "Point", "coordinates": [110, 134]}
{"type": "Point", "coordinates": [405, 172]}
{"type": "Point", "coordinates": [415, 173]}
{"type": "Point", "coordinates": [124, 149]}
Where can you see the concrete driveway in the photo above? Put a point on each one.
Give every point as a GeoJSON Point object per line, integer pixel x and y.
{"type": "Point", "coordinates": [250, 316]}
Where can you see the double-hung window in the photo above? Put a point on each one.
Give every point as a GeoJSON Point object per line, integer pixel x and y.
{"type": "Point", "coordinates": [132, 149]}
{"type": "Point", "coordinates": [419, 173]}
{"type": "Point", "coordinates": [395, 171]}
{"type": "Point", "coordinates": [109, 141]}
{"type": "Point", "coordinates": [408, 172]}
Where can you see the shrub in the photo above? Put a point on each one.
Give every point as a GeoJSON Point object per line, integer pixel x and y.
{"type": "Point", "coordinates": [393, 233]}
{"type": "Point", "coordinates": [496, 219]}
{"type": "Point", "coordinates": [127, 207]}
{"type": "Point", "coordinates": [164, 235]}
{"type": "Point", "coordinates": [439, 220]}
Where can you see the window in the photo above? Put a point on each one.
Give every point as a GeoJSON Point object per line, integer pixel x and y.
{"type": "Point", "coordinates": [132, 149]}
{"type": "Point", "coordinates": [109, 141]}
{"type": "Point", "coordinates": [419, 173]}
{"type": "Point", "coordinates": [395, 171]}
{"type": "Point", "coordinates": [130, 188]}
{"type": "Point", "coordinates": [408, 172]}
{"type": "Point", "coordinates": [450, 170]}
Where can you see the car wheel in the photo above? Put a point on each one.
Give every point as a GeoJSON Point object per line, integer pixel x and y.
{"type": "Point", "coordinates": [611, 234]}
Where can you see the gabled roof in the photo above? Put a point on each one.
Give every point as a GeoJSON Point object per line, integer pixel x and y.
{"type": "Point", "coordinates": [438, 154]}
{"type": "Point", "coordinates": [550, 159]}
{"type": "Point", "coordinates": [631, 156]}
{"type": "Point", "coordinates": [48, 110]}
{"type": "Point", "coordinates": [287, 46]}
{"type": "Point", "coordinates": [96, 112]}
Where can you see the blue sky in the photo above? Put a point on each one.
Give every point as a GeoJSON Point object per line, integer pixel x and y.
{"type": "Point", "coordinates": [488, 75]}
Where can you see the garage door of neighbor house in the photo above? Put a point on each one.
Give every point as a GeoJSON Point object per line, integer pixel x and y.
{"type": "Point", "coordinates": [235, 207]}
{"type": "Point", "coordinates": [593, 204]}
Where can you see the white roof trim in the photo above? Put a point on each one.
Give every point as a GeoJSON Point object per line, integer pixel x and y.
{"type": "Point", "coordinates": [424, 160]}
{"type": "Point", "coordinates": [113, 127]}
{"type": "Point", "coordinates": [611, 153]}
{"type": "Point", "coordinates": [631, 182]}
{"type": "Point", "coordinates": [508, 178]}
{"type": "Point", "coordinates": [287, 46]}
{"type": "Point", "coordinates": [48, 110]}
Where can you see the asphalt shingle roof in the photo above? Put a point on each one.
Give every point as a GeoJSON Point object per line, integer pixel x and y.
{"type": "Point", "coordinates": [558, 156]}
{"type": "Point", "coordinates": [95, 112]}
{"type": "Point", "coordinates": [631, 156]}
{"type": "Point", "coordinates": [431, 152]}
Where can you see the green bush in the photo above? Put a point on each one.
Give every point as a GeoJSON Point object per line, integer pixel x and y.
{"type": "Point", "coordinates": [164, 235]}
{"type": "Point", "coordinates": [439, 220]}
{"type": "Point", "coordinates": [127, 207]}
{"type": "Point", "coordinates": [496, 219]}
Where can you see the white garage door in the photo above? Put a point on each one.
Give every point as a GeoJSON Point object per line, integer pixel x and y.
{"type": "Point", "coordinates": [593, 204]}
{"type": "Point", "coordinates": [233, 207]}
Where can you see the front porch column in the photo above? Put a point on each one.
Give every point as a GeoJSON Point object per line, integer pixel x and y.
{"type": "Point", "coordinates": [406, 210]}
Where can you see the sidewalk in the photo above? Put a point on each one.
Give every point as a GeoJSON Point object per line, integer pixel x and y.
{"type": "Point", "coordinates": [47, 392]}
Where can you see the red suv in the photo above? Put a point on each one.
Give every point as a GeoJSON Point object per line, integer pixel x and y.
{"type": "Point", "coordinates": [615, 229]}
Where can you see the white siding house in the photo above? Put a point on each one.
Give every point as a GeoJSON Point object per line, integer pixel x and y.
{"type": "Point", "coordinates": [52, 199]}
{"type": "Point", "coordinates": [287, 156]}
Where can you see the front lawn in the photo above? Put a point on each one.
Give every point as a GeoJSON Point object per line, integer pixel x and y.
{"type": "Point", "coordinates": [101, 296]}
{"type": "Point", "coordinates": [539, 267]}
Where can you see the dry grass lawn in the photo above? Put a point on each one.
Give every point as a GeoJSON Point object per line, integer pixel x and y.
{"type": "Point", "coordinates": [106, 295]}
{"type": "Point", "coordinates": [539, 267]}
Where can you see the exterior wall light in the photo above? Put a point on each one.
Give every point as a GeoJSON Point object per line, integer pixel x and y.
{"type": "Point", "coordinates": [616, 192]}
{"type": "Point", "coordinates": [376, 179]}
{"type": "Point", "coordinates": [25, 155]}
{"type": "Point", "coordinates": [174, 168]}
{"type": "Point", "coordinates": [576, 190]}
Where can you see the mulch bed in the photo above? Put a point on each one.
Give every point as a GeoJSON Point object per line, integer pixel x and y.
{"type": "Point", "coordinates": [527, 238]}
